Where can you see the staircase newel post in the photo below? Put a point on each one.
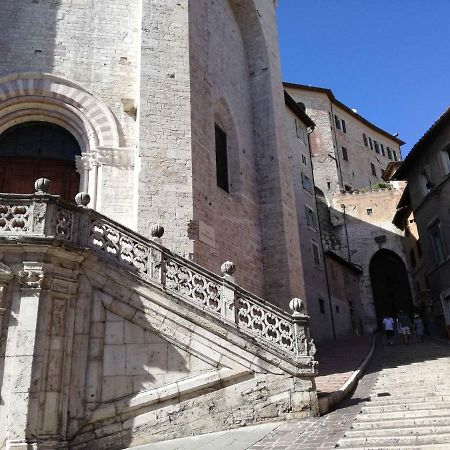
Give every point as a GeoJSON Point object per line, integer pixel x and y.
{"type": "Point", "coordinates": [228, 296]}
{"type": "Point", "coordinates": [158, 256]}
{"type": "Point", "coordinates": [303, 345]}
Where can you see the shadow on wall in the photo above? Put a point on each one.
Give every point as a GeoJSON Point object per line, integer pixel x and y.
{"type": "Point", "coordinates": [386, 284]}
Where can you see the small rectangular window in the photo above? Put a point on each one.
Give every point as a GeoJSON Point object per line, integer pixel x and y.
{"type": "Point", "coordinates": [370, 143]}
{"type": "Point", "coordinates": [337, 122]}
{"type": "Point", "coordinates": [304, 160]}
{"type": "Point", "coordinates": [311, 219]}
{"type": "Point", "coordinates": [221, 159]}
{"type": "Point", "coordinates": [337, 309]}
{"type": "Point", "coordinates": [437, 243]}
{"type": "Point", "coordinates": [446, 160]}
{"type": "Point", "coordinates": [328, 185]}
{"type": "Point", "coordinates": [394, 154]}
{"type": "Point", "coordinates": [382, 150]}
{"type": "Point", "coordinates": [425, 182]}
{"type": "Point", "coordinates": [316, 254]}
{"type": "Point", "coordinates": [307, 183]}
{"type": "Point", "coordinates": [372, 168]}
{"type": "Point", "coordinates": [344, 128]}
{"type": "Point", "coordinates": [344, 154]}
{"type": "Point", "coordinates": [377, 147]}
{"type": "Point", "coordinates": [369, 211]}
{"type": "Point", "coordinates": [366, 142]}
{"type": "Point", "coordinates": [322, 306]}
{"type": "Point", "coordinates": [389, 152]}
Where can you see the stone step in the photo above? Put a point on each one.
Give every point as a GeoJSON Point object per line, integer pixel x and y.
{"type": "Point", "coordinates": [395, 440]}
{"type": "Point", "coordinates": [401, 423]}
{"type": "Point", "coordinates": [401, 447]}
{"type": "Point", "coordinates": [405, 431]}
{"type": "Point", "coordinates": [368, 417]}
{"type": "Point", "coordinates": [390, 400]}
{"type": "Point", "coordinates": [371, 409]}
{"type": "Point", "coordinates": [411, 393]}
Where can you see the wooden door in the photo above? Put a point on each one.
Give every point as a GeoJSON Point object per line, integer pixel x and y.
{"type": "Point", "coordinates": [18, 176]}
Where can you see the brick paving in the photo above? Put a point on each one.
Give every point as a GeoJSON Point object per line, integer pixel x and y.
{"type": "Point", "coordinates": [324, 432]}
{"type": "Point", "coordinates": [338, 359]}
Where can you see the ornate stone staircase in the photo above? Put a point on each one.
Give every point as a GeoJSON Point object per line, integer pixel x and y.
{"type": "Point", "coordinates": [409, 406]}
{"type": "Point", "coordinates": [111, 340]}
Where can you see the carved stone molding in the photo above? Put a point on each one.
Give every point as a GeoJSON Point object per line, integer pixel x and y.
{"type": "Point", "coordinates": [122, 157]}
{"type": "Point", "coordinates": [5, 277]}
{"type": "Point", "coordinates": [32, 276]}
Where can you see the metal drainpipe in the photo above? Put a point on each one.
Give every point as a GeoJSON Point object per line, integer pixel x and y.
{"type": "Point", "coordinates": [336, 152]}
{"type": "Point", "coordinates": [333, 327]}
{"type": "Point", "coordinates": [346, 233]}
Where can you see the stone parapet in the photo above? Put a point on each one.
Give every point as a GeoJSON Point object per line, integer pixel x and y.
{"type": "Point", "coordinates": [124, 338]}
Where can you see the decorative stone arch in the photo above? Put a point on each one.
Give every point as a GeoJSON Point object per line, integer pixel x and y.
{"type": "Point", "coordinates": [223, 117]}
{"type": "Point", "coordinates": [27, 97]}
{"type": "Point", "coordinates": [390, 283]}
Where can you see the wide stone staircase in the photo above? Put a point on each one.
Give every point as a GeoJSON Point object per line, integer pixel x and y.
{"type": "Point", "coordinates": [409, 406]}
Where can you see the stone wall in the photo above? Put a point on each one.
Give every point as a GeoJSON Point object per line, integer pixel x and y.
{"type": "Point", "coordinates": [96, 48]}
{"type": "Point", "coordinates": [364, 225]}
{"type": "Point", "coordinates": [332, 172]}
{"type": "Point", "coordinates": [100, 359]}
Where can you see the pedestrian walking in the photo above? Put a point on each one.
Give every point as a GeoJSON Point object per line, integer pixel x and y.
{"type": "Point", "coordinates": [418, 327]}
{"type": "Point", "coordinates": [404, 326]}
{"type": "Point", "coordinates": [388, 325]}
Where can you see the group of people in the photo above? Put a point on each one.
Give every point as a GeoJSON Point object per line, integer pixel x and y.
{"type": "Point", "coordinates": [404, 326]}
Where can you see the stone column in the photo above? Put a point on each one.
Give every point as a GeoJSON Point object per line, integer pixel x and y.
{"type": "Point", "coordinates": [5, 278]}
{"type": "Point", "coordinates": [20, 353]}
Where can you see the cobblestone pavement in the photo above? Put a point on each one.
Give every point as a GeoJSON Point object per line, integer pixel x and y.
{"type": "Point", "coordinates": [399, 360]}
{"type": "Point", "coordinates": [324, 432]}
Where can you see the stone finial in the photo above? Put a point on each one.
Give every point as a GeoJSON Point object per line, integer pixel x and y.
{"type": "Point", "coordinates": [42, 186]}
{"type": "Point", "coordinates": [297, 306]}
{"type": "Point", "coordinates": [157, 231]}
{"type": "Point", "coordinates": [82, 199]}
{"type": "Point", "coordinates": [228, 268]}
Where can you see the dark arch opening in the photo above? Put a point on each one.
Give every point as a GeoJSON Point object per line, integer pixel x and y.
{"type": "Point", "coordinates": [33, 150]}
{"type": "Point", "coordinates": [390, 284]}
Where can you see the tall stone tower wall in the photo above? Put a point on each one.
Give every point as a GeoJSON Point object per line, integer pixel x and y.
{"type": "Point", "coordinates": [93, 46]}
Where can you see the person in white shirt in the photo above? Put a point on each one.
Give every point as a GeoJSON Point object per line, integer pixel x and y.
{"type": "Point", "coordinates": [388, 325]}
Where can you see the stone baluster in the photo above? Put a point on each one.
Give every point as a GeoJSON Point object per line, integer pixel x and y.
{"type": "Point", "coordinates": [228, 295]}
{"type": "Point", "coordinates": [304, 346]}
{"type": "Point", "coordinates": [82, 199]}
{"type": "Point", "coordinates": [156, 259]}
{"type": "Point", "coordinates": [40, 223]}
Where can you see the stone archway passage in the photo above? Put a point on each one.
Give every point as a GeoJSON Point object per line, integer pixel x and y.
{"type": "Point", "coordinates": [390, 284]}
{"type": "Point", "coordinates": [33, 150]}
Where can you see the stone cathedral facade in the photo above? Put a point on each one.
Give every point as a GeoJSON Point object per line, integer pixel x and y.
{"type": "Point", "coordinates": [168, 114]}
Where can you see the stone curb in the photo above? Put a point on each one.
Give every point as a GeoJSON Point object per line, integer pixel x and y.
{"type": "Point", "coordinates": [328, 401]}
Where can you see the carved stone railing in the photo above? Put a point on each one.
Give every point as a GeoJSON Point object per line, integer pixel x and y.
{"type": "Point", "coordinates": [45, 217]}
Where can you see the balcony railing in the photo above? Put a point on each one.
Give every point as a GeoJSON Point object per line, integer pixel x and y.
{"type": "Point", "coordinates": [43, 217]}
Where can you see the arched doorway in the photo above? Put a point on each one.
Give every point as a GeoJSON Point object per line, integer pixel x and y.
{"type": "Point", "coordinates": [33, 150]}
{"type": "Point", "coordinates": [390, 284]}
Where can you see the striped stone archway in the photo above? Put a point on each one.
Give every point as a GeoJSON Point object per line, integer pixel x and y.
{"type": "Point", "coordinates": [41, 97]}
{"type": "Point", "coordinates": [35, 96]}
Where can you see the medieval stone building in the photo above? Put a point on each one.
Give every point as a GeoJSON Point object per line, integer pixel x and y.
{"type": "Point", "coordinates": [109, 338]}
{"type": "Point", "coordinates": [354, 161]}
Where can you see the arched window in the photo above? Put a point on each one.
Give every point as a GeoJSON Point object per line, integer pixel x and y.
{"type": "Point", "coordinates": [34, 150]}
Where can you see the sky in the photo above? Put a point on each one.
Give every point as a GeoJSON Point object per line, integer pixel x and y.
{"type": "Point", "coordinates": [389, 59]}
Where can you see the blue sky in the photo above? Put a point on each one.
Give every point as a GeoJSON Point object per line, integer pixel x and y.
{"type": "Point", "coordinates": [389, 59]}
